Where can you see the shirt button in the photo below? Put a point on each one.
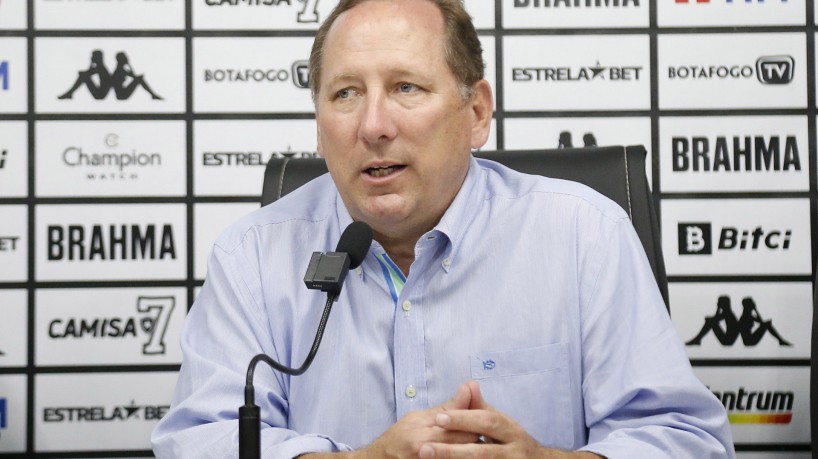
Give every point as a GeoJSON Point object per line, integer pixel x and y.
{"type": "Point", "coordinates": [359, 270]}
{"type": "Point", "coordinates": [407, 306]}
{"type": "Point", "coordinates": [447, 261]}
{"type": "Point", "coordinates": [411, 392]}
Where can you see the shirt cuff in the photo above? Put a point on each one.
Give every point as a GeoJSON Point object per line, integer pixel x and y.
{"type": "Point", "coordinates": [303, 444]}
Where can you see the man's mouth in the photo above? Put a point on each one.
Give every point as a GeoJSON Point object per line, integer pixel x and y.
{"type": "Point", "coordinates": [383, 171]}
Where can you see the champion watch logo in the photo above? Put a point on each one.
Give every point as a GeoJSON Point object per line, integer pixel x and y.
{"type": "Point", "coordinates": [100, 81]}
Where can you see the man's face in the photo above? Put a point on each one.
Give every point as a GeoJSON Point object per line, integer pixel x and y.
{"type": "Point", "coordinates": [392, 125]}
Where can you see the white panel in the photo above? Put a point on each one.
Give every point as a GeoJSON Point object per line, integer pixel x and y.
{"type": "Point", "coordinates": [594, 72]}
{"type": "Point", "coordinates": [734, 153]}
{"type": "Point", "coordinates": [111, 158]}
{"type": "Point", "coordinates": [209, 221]}
{"type": "Point", "coordinates": [112, 326]}
{"type": "Point", "coordinates": [98, 412]}
{"type": "Point", "coordinates": [749, 315]}
{"type": "Point", "coordinates": [260, 14]}
{"type": "Point", "coordinates": [111, 242]}
{"type": "Point", "coordinates": [153, 67]}
{"type": "Point", "coordinates": [551, 14]}
{"type": "Point", "coordinates": [681, 13]}
{"type": "Point", "coordinates": [13, 75]}
{"type": "Point", "coordinates": [13, 15]}
{"type": "Point", "coordinates": [13, 243]}
{"type": "Point", "coordinates": [230, 155]}
{"type": "Point", "coordinates": [13, 330]}
{"type": "Point", "coordinates": [482, 13]}
{"type": "Point", "coordinates": [109, 15]}
{"type": "Point", "coordinates": [737, 71]}
{"type": "Point", "coordinates": [251, 74]}
{"type": "Point", "coordinates": [736, 236]}
{"type": "Point", "coordinates": [13, 422]}
{"type": "Point", "coordinates": [13, 159]}
{"type": "Point", "coordinates": [764, 404]}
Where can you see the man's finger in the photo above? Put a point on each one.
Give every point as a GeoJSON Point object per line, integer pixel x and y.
{"type": "Point", "coordinates": [461, 399]}
{"type": "Point", "coordinates": [488, 423]}
{"type": "Point", "coordinates": [446, 451]}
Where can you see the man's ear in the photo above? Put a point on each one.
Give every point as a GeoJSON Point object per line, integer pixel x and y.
{"type": "Point", "coordinates": [318, 135]}
{"type": "Point", "coordinates": [482, 107]}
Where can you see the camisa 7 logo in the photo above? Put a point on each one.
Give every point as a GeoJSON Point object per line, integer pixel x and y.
{"type": "Point", "coordinates": [159, 308]}
{"type": "Point", "coordinates": [309, 13]}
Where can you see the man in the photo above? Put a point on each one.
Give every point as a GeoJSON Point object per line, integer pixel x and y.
{"type": "Point", "coordinates": [495, 315]}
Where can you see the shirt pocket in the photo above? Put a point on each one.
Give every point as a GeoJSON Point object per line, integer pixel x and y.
{"type": "Point", "coordinates": [532, 386]}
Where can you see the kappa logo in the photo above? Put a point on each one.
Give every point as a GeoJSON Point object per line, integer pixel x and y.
{"type": "Point", "coordinates": [152, 322]}
{"type": "Point", "coordinates": [727, 327]}
{"type": "Point", "coordinates": [99, 81]}
{"type": "Point", "coordinates": [565, 140]}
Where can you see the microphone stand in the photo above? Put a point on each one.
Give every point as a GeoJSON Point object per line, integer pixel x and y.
{"type": "Point", "coordinates": [249, 415]}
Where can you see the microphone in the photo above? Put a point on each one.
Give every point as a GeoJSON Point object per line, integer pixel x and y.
{"type": "Point", "coordinates": [325, 272]}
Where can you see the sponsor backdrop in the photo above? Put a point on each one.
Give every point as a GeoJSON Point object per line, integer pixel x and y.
{"type": "Point", "coordinates": [133, 131]}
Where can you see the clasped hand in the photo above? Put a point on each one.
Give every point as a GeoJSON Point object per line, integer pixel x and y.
{"type": "Point", "coordinates": [463, 427]}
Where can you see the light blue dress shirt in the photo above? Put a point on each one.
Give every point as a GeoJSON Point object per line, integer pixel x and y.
{"type": "Point", "coordinates": [537, 288]}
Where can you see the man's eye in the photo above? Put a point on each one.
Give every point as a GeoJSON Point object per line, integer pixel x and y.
{"type": "Point", "coordinates": [345, 93]}
{"type": "Point", "coordinates": [407, 87]}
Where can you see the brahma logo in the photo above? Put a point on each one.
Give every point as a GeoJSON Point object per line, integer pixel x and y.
{"type": "Point", "coordinates": [757, 407]}
{"type": "Point", "coordinates": [735, 154]}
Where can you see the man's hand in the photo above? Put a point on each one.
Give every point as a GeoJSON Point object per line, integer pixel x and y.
{"type": "Point", "coordinates": [500, 436]}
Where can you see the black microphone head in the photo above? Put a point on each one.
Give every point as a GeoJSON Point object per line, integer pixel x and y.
{"type": "Point", "coordinates": [355, 242]}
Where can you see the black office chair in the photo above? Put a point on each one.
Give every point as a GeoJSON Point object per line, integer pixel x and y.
{"type": "Point", "coordinates": [616, 172]}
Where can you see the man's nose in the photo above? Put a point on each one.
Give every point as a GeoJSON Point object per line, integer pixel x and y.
{"type": "Point", "coordinates": [377, 120]}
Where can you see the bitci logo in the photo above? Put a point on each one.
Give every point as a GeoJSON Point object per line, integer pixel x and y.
{"type": "Point", "coordinates": [4, 75]}
{"type": "Point", "coordinates": [100, 81]}
{"type": "Point", "coordinates": [3, 155]}
{"type": "Point", "coordinates": [695, 239]}
{"type": "Point", "coordinates": [775, 69]}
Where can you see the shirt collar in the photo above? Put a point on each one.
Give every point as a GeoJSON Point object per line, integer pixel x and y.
{"type": "Point", "coordinates": [455, 221]}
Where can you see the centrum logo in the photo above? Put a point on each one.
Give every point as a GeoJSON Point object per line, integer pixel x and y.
{"type": "Point", "coordinates": [4, 75]}
{"type": "Point", "coordinates": [597, 72]}
{"type": "Point", "coordinates": [775, 69]}
{"type": "Point", "coordinates": [735, 154]}
{"type": "Point", "coordinates": [128, 412]}
{"type": "Point", "coordinates": [727, 327]}
{"type": "Point", "coordinates": [150, 323]}
{"type": "Point", "coordinates": [757, 407]}
{"type": "Point", "coordinates": [573, 3]}
{"type": "Point", "coordinates": [307, 14]}
{"type": "Point", "coordinates": [99, 81]}
{"type": "Point", "coordinates": [115, 164]}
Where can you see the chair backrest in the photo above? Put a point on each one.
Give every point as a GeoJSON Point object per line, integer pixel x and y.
{"type": "Point", "coordinates": [617, 172]}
